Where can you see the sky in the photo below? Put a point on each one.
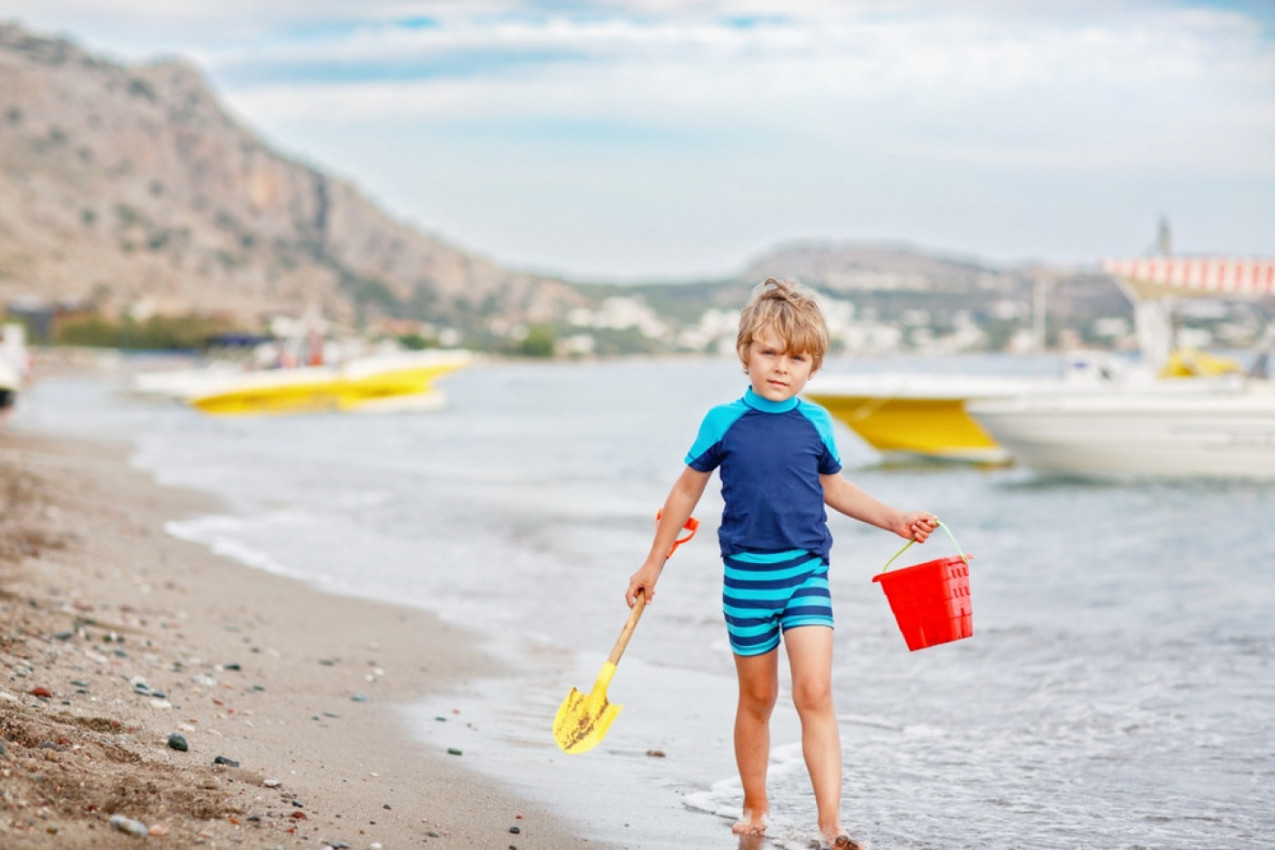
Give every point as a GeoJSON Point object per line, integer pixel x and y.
{"type": "Point", "coordinates": [663, 140]}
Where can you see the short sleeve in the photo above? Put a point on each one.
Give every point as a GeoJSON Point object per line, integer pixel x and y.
{"type": "Point", "coordinates": [829, 460]}
{"type": "Point", "coordinates": [706, 452]}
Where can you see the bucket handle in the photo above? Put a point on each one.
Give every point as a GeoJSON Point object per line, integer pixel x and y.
{"type": "Point", "coordinates": [964, 557]}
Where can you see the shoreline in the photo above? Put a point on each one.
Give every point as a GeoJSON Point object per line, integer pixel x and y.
{"type": "Point", "coordinates": [115, 635]}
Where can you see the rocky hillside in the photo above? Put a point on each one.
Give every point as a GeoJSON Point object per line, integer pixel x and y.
{"type": "Point", "coordinates": [122, 185]}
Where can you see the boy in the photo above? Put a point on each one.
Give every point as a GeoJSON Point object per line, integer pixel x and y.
{"type": "Point", "coordinates": [779, 467]}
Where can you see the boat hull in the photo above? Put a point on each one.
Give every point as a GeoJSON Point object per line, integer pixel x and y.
{"type": "Point", "coordinates": [1170, 433]}
{"type": "Point", "coordinates": [916, 416]}
{"type": "Point", "coordinates": [359, 387]}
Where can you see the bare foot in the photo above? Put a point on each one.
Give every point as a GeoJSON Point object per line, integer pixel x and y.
{"type": "Point", "coordinates": [836, 839]}
{"type": "Point", "coordinates": [752, 823]}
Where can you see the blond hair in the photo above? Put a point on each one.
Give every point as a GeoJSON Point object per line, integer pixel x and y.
{"type": "Point", "coordinates": [792, 313]}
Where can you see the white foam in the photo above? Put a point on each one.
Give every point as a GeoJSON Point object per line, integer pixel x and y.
{"type": "Point", "coordinates": [214, 531]}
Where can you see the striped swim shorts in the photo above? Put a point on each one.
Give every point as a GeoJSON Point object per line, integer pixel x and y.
{"type": "Point", "coordinates": [766, 593]}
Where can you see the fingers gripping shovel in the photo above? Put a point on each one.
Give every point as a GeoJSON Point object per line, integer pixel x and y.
{"type": "Point", "coordinates": [583, 719]}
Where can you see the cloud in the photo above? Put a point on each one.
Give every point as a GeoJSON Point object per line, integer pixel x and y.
{"type": "Point", "coordinates": [584, 123]}
{"type": "Point", "coordinates": [947, 85]}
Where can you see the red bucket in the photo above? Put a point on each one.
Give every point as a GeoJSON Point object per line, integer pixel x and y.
{"type": "Point", "coordinates": [930, 601]}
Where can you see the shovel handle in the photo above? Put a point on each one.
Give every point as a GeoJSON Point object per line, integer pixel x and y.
{"type": "Point", "coordinates": [635, 614]}
{"type": "Point", "coordinates": [639, 603]}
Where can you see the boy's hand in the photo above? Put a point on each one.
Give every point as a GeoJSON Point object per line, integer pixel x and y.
{"type": "Point", "coordinates": [918, 525]}
{"type": "Point", "coordinates": [642, 581]}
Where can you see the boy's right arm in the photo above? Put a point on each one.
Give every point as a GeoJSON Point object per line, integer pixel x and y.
{"type": "Point", "coordinates": [677, 509]}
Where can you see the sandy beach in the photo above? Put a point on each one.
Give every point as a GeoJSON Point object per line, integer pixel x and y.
{"type": "Point", "coordinates": [155, 692]}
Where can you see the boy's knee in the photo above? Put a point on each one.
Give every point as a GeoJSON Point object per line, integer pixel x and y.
{"type": "Point", "coordinates": [759, 697]}
{"type": "Point", "coordinates": [812, 696]}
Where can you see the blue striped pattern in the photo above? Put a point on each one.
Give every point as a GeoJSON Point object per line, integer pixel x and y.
{"type": "Point", "coordinates": [764, 593]}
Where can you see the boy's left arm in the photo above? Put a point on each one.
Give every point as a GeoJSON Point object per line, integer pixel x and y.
{"type": "Point", "coordinates": [844, 497]}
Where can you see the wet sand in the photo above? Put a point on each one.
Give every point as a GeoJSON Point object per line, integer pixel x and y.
{"type": "Point", "coordinates": [115, 637]}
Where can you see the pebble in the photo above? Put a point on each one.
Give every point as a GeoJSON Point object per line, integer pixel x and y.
{"type": "Point", "coordinates": [42, 692]}
{"type": "Point", "coordinates": [129, 826]}
{"type": "Point", "coordinates": [272, 783]}
{"type": "Point", "coordinates": [225, 761]}
{"type": "Point", "coordinates": [178, 742]}
{"type": "Point", "coordinates": [359, 697]}
{"type": "Point", "coordinates": [655, 754]}
{"type": "Point", "coordinates": [515, 830]}
{"type": "Point", "coordinates": [454, 752]}
{"type": "Point", "coordinates": [158, 830]}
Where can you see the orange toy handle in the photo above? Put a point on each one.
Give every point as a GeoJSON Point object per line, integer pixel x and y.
{"type": "Point", "coordinates": [691, 526]}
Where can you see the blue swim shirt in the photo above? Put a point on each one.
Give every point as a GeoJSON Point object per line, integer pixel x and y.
{"type": "Point", "coordinates": [771, 455]}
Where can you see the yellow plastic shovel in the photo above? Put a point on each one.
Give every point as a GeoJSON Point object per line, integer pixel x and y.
{"type": "Point", "coordinates": [583, 719]}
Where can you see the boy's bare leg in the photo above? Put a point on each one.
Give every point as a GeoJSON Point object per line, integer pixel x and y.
{"type": "Point", "coordinates": [758, 690]}
{"type": "Point", "coordinates": [810, 657]}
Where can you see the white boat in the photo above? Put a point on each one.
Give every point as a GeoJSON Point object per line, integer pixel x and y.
{"type": "Point", "coordinates": [911, 415]}
{"type": "Point", "coordinates": [15, 364]}
{"type": "Point", "coordinates": [1145, 425]}
{"type": "Point", "coordinates": [1206, 428]}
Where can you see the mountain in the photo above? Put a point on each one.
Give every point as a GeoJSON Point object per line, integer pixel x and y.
{"type": "Point", "coordinates": [123, 185]}
{"type": "Point", "coordinates": [849, 267]}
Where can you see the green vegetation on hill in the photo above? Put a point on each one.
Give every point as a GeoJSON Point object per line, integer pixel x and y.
{"type": "Point", "coordinates": [165, 333]}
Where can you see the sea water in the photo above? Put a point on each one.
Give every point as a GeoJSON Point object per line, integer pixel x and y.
{"type": "Point", "coordinates": [1119, 690]}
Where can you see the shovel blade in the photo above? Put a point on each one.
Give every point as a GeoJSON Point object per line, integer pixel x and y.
{"type": "Point", "coordinates": [583, 720]}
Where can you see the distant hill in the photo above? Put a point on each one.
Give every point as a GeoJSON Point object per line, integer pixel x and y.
{"type": "Point", "coordinates": [849, 267]}
{"type": "Point", "coordinates": [123, 184]}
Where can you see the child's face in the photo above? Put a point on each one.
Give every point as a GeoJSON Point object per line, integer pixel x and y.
{"type": "Point", "coordinates": [776, 373]}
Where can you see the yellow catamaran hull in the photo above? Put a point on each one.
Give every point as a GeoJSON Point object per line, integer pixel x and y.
{"type": "Point", "coordinates": [916, 415]}
{"type": "Point", "coordinates": [375, 384]}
